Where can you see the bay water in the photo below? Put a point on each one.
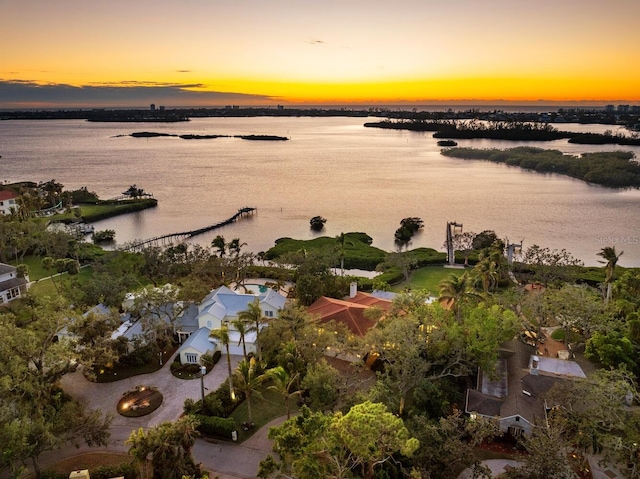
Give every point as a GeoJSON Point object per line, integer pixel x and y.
{"type": "Point", "coordinates": [359, 179]}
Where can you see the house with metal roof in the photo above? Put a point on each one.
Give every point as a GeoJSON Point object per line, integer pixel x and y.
{"type": "Point", "coordinates": [221, 307]}
{"type": "Point", "coordinates": [197, 345]}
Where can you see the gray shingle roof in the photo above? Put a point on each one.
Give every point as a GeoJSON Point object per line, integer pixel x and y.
{"type": "Point", "coordinates": [6, 268]}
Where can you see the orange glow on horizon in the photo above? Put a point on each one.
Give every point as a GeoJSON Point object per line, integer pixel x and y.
{"type": "Point", "coordinates": [452, 89]}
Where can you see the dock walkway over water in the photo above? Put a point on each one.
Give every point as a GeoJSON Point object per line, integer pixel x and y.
{"type": "Point", "coordinates": [172, 238]}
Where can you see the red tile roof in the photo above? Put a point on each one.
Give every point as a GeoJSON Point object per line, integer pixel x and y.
{"type": "Point", "coordinates": [349, 312]}
{"type": "Point", "coordinates": [7, 195]}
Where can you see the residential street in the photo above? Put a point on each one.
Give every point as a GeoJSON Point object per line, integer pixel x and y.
{"type": "Point", "coordinates": [223, 459]}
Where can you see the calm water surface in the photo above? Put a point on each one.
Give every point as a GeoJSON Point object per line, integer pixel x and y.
{"type": "Point", "coordinates": [360, 179]}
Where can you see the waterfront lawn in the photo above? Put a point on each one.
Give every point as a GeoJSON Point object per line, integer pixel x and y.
{"type": "Point", "coordinates": [36, 271]}
{"type": "Point", "coordinates": [265, 409]}
{"type": "Point", "coordinates": [45, 287]}
{"type": "Point", "coordinates": [105, 209]}
{"type": "Point", "coordinates": [428, 278]}
{"type": "Point", "coordinates": [358, 252]}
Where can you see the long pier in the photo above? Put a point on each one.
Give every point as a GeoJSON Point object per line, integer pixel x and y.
{"type": "Point", "coordinates": [172, 238]}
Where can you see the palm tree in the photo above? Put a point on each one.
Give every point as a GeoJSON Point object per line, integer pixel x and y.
{"type": "Point", "coordinates": [221, 244]}
{"type": "Point", "coordinates": [253, 315]}
{"type": "Point", "coordinates": [454, 290]}
{"type": "Point", "coordinates": [611, 258]}
{"type": "Point", "coordinates": [248, 378]}
{"type": "Point", "coordinates": [48, 263]}
{"type": "Point", "coordinates": [282, 383]}
{"type": "Point", "coordinates": [243, 328]}
{"type": "Point", "coordinates": [341, 249]}
{"type": "Point", "coordinates": [235, 246]}
{"type": "Point", "coordinates": [222, 335]}
{"type": "Point", "coordinates": [290, 359]}
{"type": "Point", "coordinates": [491, 266]}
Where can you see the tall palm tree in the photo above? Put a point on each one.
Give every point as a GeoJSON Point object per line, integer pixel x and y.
{"type": "Point", "coordinates": [235, 246]}
{"type": "Point", "coordinates": [290, 359]}
{"type": "Point", "coordinates": [283, 383]}
{"type": "Point", "coordinates": [486, 273]}
{"type": "Point", "coordinates": [455, 290]}
{"type": "Point", "coordinates": [243, 328]}
{"type": "Point", "coordinates": [341, 251]}
{"type": "Point", "coordinates": [248, 378]}
{"type": "Point", "coordinates": [48, 263]}
{"type": "Point", "coordinates": [253, 315]}
{"type": "Point", "coordinates": [222, 335]}
{"type": "Point", "coordinates": [611, 258]}
{"type": "Point", "coordinates": [220, 243]}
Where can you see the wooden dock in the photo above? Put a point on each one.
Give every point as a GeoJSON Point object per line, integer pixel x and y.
{"type": "Point", "coordinates": [173, 238]}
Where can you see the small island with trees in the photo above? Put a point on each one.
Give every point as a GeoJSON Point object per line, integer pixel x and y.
{"type": "Point", "coordinates": [503, 130]}
{"type": "Point", "coordinates": [616, 169]}
{"type": "Point", "coordinates": [189, 136]}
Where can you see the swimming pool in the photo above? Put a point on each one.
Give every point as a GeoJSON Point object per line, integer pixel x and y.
{"type": "Point", "coordinates": [255, 288]}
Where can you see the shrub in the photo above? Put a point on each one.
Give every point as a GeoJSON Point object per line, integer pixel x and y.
{"type": "Point", "coordinates": [127, 470]}
{"type": "Point", "coordinates": [207, 360]}
{"type": "Point", "coordinates": [216, 426]}
{"type": "Point", "coordinates": [190, 406]}
{"type": "Point", "coordinates": [216, 357]}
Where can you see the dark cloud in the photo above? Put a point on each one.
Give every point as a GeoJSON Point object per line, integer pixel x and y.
{"type": "Point", "coordinates": [128, 93]}
{"type": "Point", "coordinates": [184, 71]}
{"type": "Point", "coordinates": [316, 42]}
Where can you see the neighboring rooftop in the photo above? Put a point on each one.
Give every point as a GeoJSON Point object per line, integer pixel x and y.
{"type": "Point", "coordinates": [349, 311]}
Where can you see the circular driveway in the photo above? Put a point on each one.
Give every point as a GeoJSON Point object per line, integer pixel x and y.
{"type": "Point", "coordinates": [225, 459]}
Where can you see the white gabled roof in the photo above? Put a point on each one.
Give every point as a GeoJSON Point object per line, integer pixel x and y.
{"type": "Point", "coordinates": [224, 303]}
{"type": "Point", "coordinates": [272, 298]}
{"type": "Point", "coordinates": [199, 341]}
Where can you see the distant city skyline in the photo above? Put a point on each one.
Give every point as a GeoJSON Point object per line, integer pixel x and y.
{"type": "Point", "coordinates": [73, 53]}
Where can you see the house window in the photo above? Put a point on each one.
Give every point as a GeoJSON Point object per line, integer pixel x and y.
{"type": "Point", "coordinates": [13, 293]}
{"type": "Point", "coordinates": [516, 431]}
{"type": "Point", "coordinates": [209, 324]}
{"type": "Point", "coordinates": [268, 314]}
{"type": "Point", "coordinates": [191, 358]}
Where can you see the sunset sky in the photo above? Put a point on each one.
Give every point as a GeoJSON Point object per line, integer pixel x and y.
{"type": "Point", "coordinates": [83, 53]}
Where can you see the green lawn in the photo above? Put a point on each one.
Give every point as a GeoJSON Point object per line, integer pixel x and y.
{"type": "Point", "coordinates": [264, 409]}
{"type": "Point", "coordinates": [46, 287]}
{"type": "Point", "coordinates": [36, 271]}
{"type": "Point", "coordinates": [427, 278]}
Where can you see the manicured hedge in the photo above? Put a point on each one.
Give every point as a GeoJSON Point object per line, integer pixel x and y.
{"type": "Point", "coordinates": [127, 470]}
{"type": "Point", "coordinates": [221, 427]}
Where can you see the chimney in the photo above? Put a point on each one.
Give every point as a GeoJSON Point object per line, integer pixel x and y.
{"type": "Point", "coordinates": [534, 365]}
{"type": "Point", "coordinates": [353, 289]}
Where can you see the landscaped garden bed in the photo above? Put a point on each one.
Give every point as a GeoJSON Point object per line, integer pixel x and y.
{"type": "Point", "coordinates": [140, 401]}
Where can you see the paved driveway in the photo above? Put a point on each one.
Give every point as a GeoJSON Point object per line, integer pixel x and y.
{"type": "Point", "coordinates": [225, 459]}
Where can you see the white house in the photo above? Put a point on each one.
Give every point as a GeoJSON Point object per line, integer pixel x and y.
{"type": "Point", "coordinates": [8, 202]}
{"type": "Point", "coordinates": [196, 346]}
{"type": "Point", "coordinates": [221, 306]}
{"type": "Point", "coordinates": [11, 285]}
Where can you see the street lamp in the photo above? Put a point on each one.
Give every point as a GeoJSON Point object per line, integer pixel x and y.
{"type": "Point", "coordinates": [203, 371]}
